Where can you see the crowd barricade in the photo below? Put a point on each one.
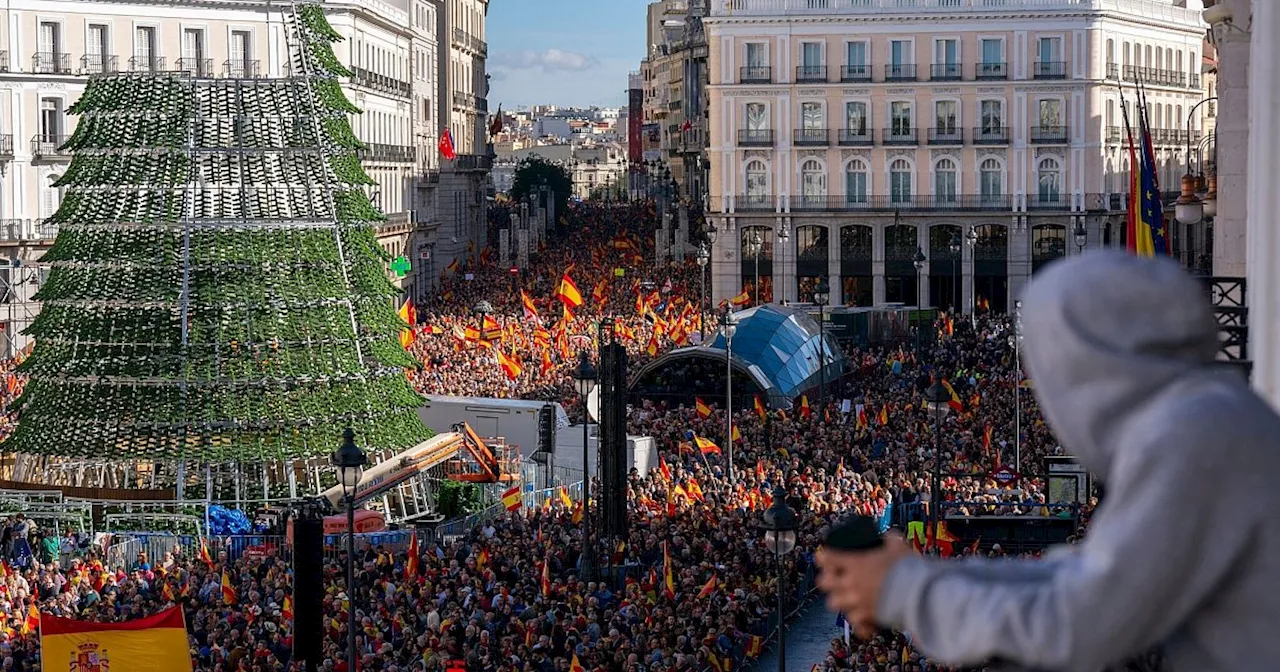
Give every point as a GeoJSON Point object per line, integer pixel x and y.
{"type": "Point", "coordinates": [909, 511]}
{"type": "Point", "coordinates": [798, 597]}
{"type": "Point", "coordinates": [122, 549]}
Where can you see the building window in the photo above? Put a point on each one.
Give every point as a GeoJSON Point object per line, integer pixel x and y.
{"type": "Point", "coordinates": [240, 55]}
{"type": "Point", "coordinates": [755, 55]}
{"type": "Point", "coordinates": [900, 52]}
{"type": "Point", "coordinates": [757, 181]}
{"type": "Point", "coordinates": [944, 114]}
{"type": "Point", "coordinates": [900, 181]}
{"type": "Point", "coordinates": [945, 181]}
{"type": "Point", "coordinates": [991, 180]}
{"type": "Point", "coordinates": [992, 116]}
{"type": "Point", "coordinates": [1049, 181]}
{"type": "Point", "coordinates": [855, 55]}
{"type": "Point", "coordinates": [193, 52]}
{"type": "Point", "coordinates": [1049, 49]}
{"type": "Point", "coordinates": [144, 48]}
{"type": "Point", "coordinates": [855, 117]}
{"type": "Point", "coordinates": [811, 116]}
{"type": "Point", "coordinates": [50, 196]}
{"type": "Point", "coordinates": [811, 55]}
{"type": "Point", "coordinates": [51, 119]}
{"type": "Point", "coordinates": [813, 182]}
{"type": "Point", "coordinates": [900, 117]}
{"type": "Point", "coordinates": [992, 51]}
{"type": "Point", "coordinates": [1051, 114]}
{"type": "Point", "coordinates": [855, 182]}
{"type": "Point", "coordinates": [757, 117]}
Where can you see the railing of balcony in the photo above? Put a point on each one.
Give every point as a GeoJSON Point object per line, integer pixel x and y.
{"type": "Point", "coordinates": [240, 69]}
{"type": "Point", "coordinates": [196, 67]}
{"type": "Point", "coordinates": [890, 203]}
{"type": "Point", "coordinates": [6, 147]}
{"type": "Point", "coordinates": [386, 84]}
{"type": "Point", "coordinates": [45, 146]}
{"type": "Point", "coordinates": [899, 136]}
{"type": "Point", "coordinates": [811, 73]}
{"type": "Point", "coordinates": [755, 74]}
{"type": "Point", "coordinates": [51, 63]}
{"type": "Point", "coordinates": [394, 153]}
{"type": "Point", "coordinates": [97, 64]}
{"type": "Point", "coordinates": [1156, 76]}
{"type": "Point", "coordinates": [755, 137]}
{"type": "Point", "coordinates": [1113, 71]}
{"type": "Point", "coordinates": [811, 137]}
{"type": "Point", "coordinates": [855, 73]}
{"type": "Point", "coordinates": [1050, 70]}
{"type": "Point", "coordinates": [755, 203]}
{"type": "Point", "coordinates": [460, 38]}
{"type": "Point", "coordinates": [146, 63]}
{"type": "Point", "coordinates": [473, 162]}
{"type": "Point", "coordinates": [944, 71]}
{"type": "Point", "coordinates": [1049, 134]}
{"type": "Point", "coordinates": [853, 137]}
{"type": "Point", "coordinates": [1048, 201]}
{"type": "Point", "coordinates": [946, 135]}
{"type": "Point", "coordinates": [1115, 135]}
{"type": "Point", "coordinates": [991, 135]}
{"type": "Point", "coordinates": [990, 71]}
{"type": "Point", "coordinates": [900, 72]}
{"type": "Point", "coordinates": [4, 60]}
{"type": "Point", "coordinates": [479, 46]}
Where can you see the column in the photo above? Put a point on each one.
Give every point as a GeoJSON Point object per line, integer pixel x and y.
{"type": "Point", "coordinates": [877, 264]}
{"type": "Point", "coordinates": [833, 264]}
{"type": "Point", "coordinates": [1019, 256]}
{"type": "Point", "coordinates": [1229, 226]}
{"type": "Point", "coordinates": [966, 270]}
{"type": "Point", "coordinates": [923, 285]}
{"type": "Point", "coordinates": [1263, 274]}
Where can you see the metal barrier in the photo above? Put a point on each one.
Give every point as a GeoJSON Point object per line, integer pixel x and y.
{"type": "Point", "coordinates": [767, 629]}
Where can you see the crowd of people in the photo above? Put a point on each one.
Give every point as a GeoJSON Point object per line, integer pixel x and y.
{"type": "Point", "coordinates": [508, 595]}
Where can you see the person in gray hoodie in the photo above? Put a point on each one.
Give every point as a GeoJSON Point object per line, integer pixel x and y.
{"type": "Point", "coordinates": [1184, 552]}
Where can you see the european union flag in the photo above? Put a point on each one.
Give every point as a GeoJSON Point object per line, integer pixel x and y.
{"type": "Point", "coordinates": [1151, 212]}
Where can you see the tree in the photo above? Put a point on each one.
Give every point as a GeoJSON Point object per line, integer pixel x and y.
{"type": "Point", "coordinates": [217, 292]}
{"type": "Point", "coordinates": [532, 172]}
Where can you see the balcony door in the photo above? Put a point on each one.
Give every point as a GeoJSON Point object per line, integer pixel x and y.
{"type": "Point", "coordinates": [51, 120]}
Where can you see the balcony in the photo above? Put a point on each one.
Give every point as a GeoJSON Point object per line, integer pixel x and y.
{"type": "Point", "coordinates": [1048, 201]}
{"type": "Point", "coordinates": [755, 137]}
{"type": "Point", "coordinates": [755, 74]}
{"type": "Point", "coordinates": [1113, 71]}
{"type": "Point", "coordinates": [899, 136]}
{"type": "Point", "coordinates": [146, 63]}
{"type": "Point", "coordinates": [946, 135]}
{"type": "Point", "coordinates": [1049, 135]}
{"type": "Point", "coordinates": [855, 73]}
{"type": "Point", "coordinates": [387, 84]}
{"type": "Point", "coordinates": [887, 203]}
{"type": "Point", "coordinates": [51, 63]}
{"type": "Point", "coordinates": [461, 39]}
{"type": "Point", "coordinates": [855, 137]}
{"type": "Point", "coordinates": [391, 153]}
{"type": "Point", "coordinates": [991, 135]}
{"type": "Point", "coordinates": [473, 162]}
{"type": "Point", "coordinates": [240, 69]}
{"type": "Point", "coordinates": [900, 72]}
{"type": "Point", "coordinates": [196, 67]}
{"type": "Point", "coordinates": [1050, 70]}
{"type": "Point", "coordinates": [98, 64]}
{"type": "Point", "coordinates": [4, 61]}
{"type": "Point", "coordinates": [46, 147]}
{"type": "Point", "coordinates": [809, 74]}
{"type": "Point", "coordinates": [755, 203]}
{"type": "Point", "coordinates": [943, 72]}
{"type": "Point", "coordinates": [990, 71]}
{"type": "Point", "coordinates": [1159, 77]}
{"type": "Point", "coordinates": [811, 137]}
{"type": "Point", "coordinates": [6, 147]}
{"type": "Point", "coordinates": [479, 46]}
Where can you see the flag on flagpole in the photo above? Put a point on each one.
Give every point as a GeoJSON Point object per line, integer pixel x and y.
{"type": "Point", "coordinates": [157, 642]}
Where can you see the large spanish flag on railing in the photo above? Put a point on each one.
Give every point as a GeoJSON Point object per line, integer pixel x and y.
{"type": "Point", "coordinates": [154, 643]}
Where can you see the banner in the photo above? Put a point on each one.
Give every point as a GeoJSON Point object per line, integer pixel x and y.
{"type": "Point", "coordinates": [157, 643]}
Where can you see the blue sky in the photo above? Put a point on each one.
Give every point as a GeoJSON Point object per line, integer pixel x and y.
{"type": "Point", "coordinates": [563, 52]}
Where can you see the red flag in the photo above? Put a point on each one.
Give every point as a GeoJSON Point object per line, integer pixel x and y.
{"type": "Point", "coordinates": [411, 564]}
{"type": "Point", "coordinates": [446, 145]}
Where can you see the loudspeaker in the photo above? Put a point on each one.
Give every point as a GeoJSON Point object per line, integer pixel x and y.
{"type": "Point", "coordinates": [308, 589]}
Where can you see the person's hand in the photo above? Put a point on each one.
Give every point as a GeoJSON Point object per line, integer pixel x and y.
{"type": "Point", "coordinates": [852, 580]}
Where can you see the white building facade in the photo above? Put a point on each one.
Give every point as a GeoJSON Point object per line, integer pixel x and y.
{"type": "Point", "coordinates": [987, 137]}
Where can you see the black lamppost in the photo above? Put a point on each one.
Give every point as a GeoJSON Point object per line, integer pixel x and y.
{"type": "Point", "coordinates": [729, 324]}
{"type": "Point", "coordinates": [349, 462]}
{"type": "Point", "coordinates": [1081, 235]}
{"type": "Point", "coordinates": [704, 256]}
{"type": "Point", "coordinates": [954, 247]}
{"type": "Point", "coordinates": [971, 241]}
{"type": "Point", "coordinates": [483, 309]}
{"type": "Point", "coordinates": [918, 261]}
{"type": "Point", "coordinates": [822, 294]}
{"type": "Point", "coordinates": [584, 375]}
{"type": "Point", "coordinates": [780, 522]}
{"type": "Point", "coordinates": [938, 399]}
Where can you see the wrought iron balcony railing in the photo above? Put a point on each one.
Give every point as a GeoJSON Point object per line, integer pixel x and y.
{"type": "Point", "coordinates": [855, 73]}
{"type": "Point", "coordinates": [811, 137]}
{"type": "Point", "coordinates": [51, 63]}
{"type": "Point", "coordinates": [755, 74]}
{"type": "Point", "coordinates": [990, 71]}
{"type": "Point", "coordinates": [1049, 135]}
{"type": "Point", "coordinates": [755, 137]}
{"type": "Point", "coordinates": [1050, 70]}
{"type": "Point", "coordinates": [944, 71]}
{"type": "Point", "coordinates": [99, 64]}
{"type": "Point", "coordinates": [146, 63]}
{"type": "Point", "coordinates": [196, 67]}
{"type": "Point", "coordinates": [900, 72]}
{"type": "Point", "coordinates": [240, 69]}
{"type": "Point", "coordinates": [946, 135]}
{"type": "Point", "coordinates": [811, 73]}
{"type": "Point", "coordinates": [47, 146]}
{"type": "Point", "coordinates": [991, 135]}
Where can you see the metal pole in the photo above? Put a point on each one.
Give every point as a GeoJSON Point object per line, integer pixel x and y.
{"type": "Point", "coordinates": [1017, 386]}
{"type": "Point", "coordinates": [822, 357]}
{"type": "Point", "coordinates": [702, 304]}
{"type": "Point", "coordinates": [728, 398]}
{"type": "Point", "coordinates": [935, 499]}
{"type": "Point", "coordinates": [351, 580]}
{"type": "Point", "coordinates": [782, 635]}
{"type": "Point", "coordinates": [586, 495]}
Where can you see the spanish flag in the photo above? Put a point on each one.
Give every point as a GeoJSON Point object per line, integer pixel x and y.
{"type": "Point", "coordinates": [742, 299]}
{"type": "Point", "coordinates": [664, 469]}
{"type": "Point", "coordinates": [530, 310]}
{"type": "Point", "coordinates": [411, 563]}
{"type": "Point", "coordinates": [761, 412]}
{"type": "Point", "coordinates": [568, 292]}
{"type": "Point", "coordinates": [286, 610]}
{"type": "Point", "coordinates": [704, 411]}
{"type": "Point", "coordinates": [510, 367]}
{"type": "Point", "coordinates": [708, 588]}
{"type": "Point", "coordinates": [228, 591]}
{"type": "Point", "coordinates": [512, 499]}
{"type": "Point", "coordinates": [32, 622]}
{"type": "Point", "coordinates": [652, 348]}
{"type": "Point", "coordinates": [805, 413]}
{"type": "Point", "coordinates": [955, 403]}
{"type": "Point", "coordinates": [406, 338]}
{"type": "Point", "coordinates": [546, 577]}
{"type": "Point", "coordinates": [409, 313]}
{"type": "Point", "coordinates": [453, 266]}
{"type": "Point", "coordinates": [668, 580]}
{"type": "Point", "coordinates": [706, 445]}
{"type": "Point", "coordinates": [598, 293]}
{"type": "Point", "coordinates": [204, 554]}
{"type": "Point", "coordinates": [986, 440]}
{"type": "Point", "coordinates": [575, 666]}
{"type": "Point", "coordinates": [735, 434]}
{"type": "Point", "coordinates": [157, 642]}
{"type": "Point", "coordinates": [884, 415]}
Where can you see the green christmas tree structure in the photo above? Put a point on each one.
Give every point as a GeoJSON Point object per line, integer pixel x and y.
{"type": "Point", "coordinates": [216, 292]}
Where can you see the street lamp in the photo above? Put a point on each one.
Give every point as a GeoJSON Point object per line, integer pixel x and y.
{"type": "Point", "coordinates": [971, 240]}
{"type": "Point", "coordinates": [482, 309]}
{"type": "Point", "coordinates": [584, 376]}
{"type": "Point", "coordinates": [704, 255]}
{"type": "Point", "coordinates": [954, 246]}
{"type": "Point", "coordinates": [938, 399]}
{"type": "Point", "coordinates": [1082, 235]}
{"type": "Point", "coordinates": [918, 261]}
{"type": "Point", "coordinates": [349, 462]}
{"type": "Point", "coordinates": [822, 294]}
{"type": "Point", "coordinates": [784, 235]}
{"type": "Point", "coordinates": [729, 325]}
{"type": "Point", "coordinates": [756, 247]}
{"type": "Point", "coordinates": [1015, 342]}
{"type": "Point", "coordinates": [780, 522]}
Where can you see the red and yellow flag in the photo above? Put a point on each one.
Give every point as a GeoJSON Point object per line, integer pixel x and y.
{"type": "Point", "coordinates": [546, 577]}
{"type": "Point", "coordinates": [204, 554]}
{"type": "Point", "coordinates": [668, 579]}
{"type": "Point", "coordinates": [760, 410]}
{"type": "Point", "coordinates": [707, 446]}
{"type": "Point", "coordinates": [411, 563]}
{"type": "Point", "coordinates": [32, 622]}
{"type": "Point", "coordinates": [510, 367]}
{"type": "Point", "coordinates": [512, 499]}
{"type": "Point", "coordinates": [286, 609]}
{"type": "Point", "coordinates": [228, 591]}
{"type": "Point", "coordinates": [708, 588]}
{"type": "Point", "coordinates": [652, 348]}
{"type": "Point", "coordinates": [704, 411]}
{"type": "Point", "coordinates": [409, 313]}
{"type": "Point", "coordinates": [568, 292]}
{"type": "Point", "coordinates": [805, 412]}
{"type": "Point", "coordinates": [884, 415]}
{"type": "Point", "coordinates": [156, 642]}
{"type": "Point", "coordinates": [575, 666]}
{"type": "Point", "coordinates": [742, 299]}
{"type": "Point", "coordinates": [530, 310]}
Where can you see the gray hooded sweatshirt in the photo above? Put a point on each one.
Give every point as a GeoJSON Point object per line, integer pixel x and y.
{"type": "Point", "coordinates": [1185, 550]}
